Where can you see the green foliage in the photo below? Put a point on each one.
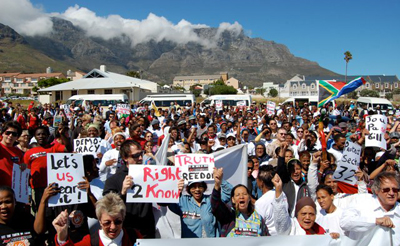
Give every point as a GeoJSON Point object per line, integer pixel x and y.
{"type": "Point", "coordinates": [273, 92]}
{"type": "Point", "coordinates": [352, 95]}
{"type": "Point", "coordinates": [389, 96]}
{"type": "Point", "coordinates": [260, 91]}
{"type": "Point", "coordinates": [221, 90]}
{"type": "Point", "coordinates": [134, 74]}
{"type": "Point", "coordinates": [219, 82]}
{"type": "Point", "coordinates": [347, 56]}
{"type": "Point", "coordinates": [35, 88]}
{"type": "Point", "coordinates": [369, 93]}
{"type": "Point", "coordinates": [179, 88]}
{"type": "Point", "coordinates": [44, 83]}
{"type": "Point", "coordinates": [196, 92]}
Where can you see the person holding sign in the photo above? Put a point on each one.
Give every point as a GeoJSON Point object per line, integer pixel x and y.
{"type": "Point", "coordinates": [139, 216]}
{"type": "Point", "coordinates": [110, 212]}
{"type": "Point", "coordinates": [194, 209]}
{"type": "Point", "coordinates": [240, 219]}
{"type": "Point", "coordinates": [8, 152]}
{"type": "Point", "coordinates": [36, 159]}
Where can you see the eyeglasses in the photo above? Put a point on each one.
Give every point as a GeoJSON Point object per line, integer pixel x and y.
{"type": "Point", "coordinates": [300, 131]}
{"type": "Point", "coordinates": [283, 134]}
{"type": "Point", "coordinates": [231, 139]}
{"type": "Point", "coordinates": [272, 124]}
{"type": "Point", "coordinates": [249, 168]}
{"type": "Point", "coordinates": [14, 134]}
{"type": "Point", "coordinates": [387, 190]}
{"type": "Point", "coordinates": [137, 155]}
{"type": "Point", "coordinates": [108, 223]}
{"type": "Point", "coordinates": [267, 132]}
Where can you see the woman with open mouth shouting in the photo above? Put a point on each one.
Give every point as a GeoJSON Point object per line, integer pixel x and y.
{"type": "Point", "coordinates": [240, 219]}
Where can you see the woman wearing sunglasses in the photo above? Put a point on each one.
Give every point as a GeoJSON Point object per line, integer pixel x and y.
{"type": "Point", "coordinates": [110, 212]}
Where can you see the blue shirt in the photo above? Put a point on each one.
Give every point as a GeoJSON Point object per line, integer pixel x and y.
{"type": "Point", "coordinates": [198, 221]}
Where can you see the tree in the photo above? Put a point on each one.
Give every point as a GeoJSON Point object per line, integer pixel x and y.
{"type": "Point", "coordinates": [219, 82]}
{"type": "Point", "coordinates": [369, 93]}
{"type": "Point", "coordinates": [352, 95]}
{"type": "Point", "coordinates": [135, 74]}
{"type": "Point", "coordinates": [179, 88]}
{"type": "Point", "coordinates": [273, 92]}
{"type": "Point", "coordinates": [196, 92]}
{"type": "Point", "coordinates": [347, 57]}
{"type": "Point", "coordinates": [44, 83]}
{"type": "Point", "coordinates": [260, 91]}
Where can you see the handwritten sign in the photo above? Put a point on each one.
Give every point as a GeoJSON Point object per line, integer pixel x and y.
{"type": "Point", "coordinates": [66, 170]}
{"type": "Point", "coordinates": [241, 104]}
{"type": "Point", "coordinates": [154, 184]}
{"type": "Point", "coordinates": [87, 145]}
{"type": "Point", "coordinates": [57, 120]}
{"type": "Point", "coordinates": [196, 167]}
{"type": "Point", "coordinates": [270, 108]}
{"type": "Point", "coordinates": [20, 184]}
{"type": "Point", "coordinates": [349, 163]}
{"type": "Point", "coordinates": [218, 105]}
{"type": "Point", "coordinates": [376, 125]}
{"type": "Point", "coordinates": [123, 110]}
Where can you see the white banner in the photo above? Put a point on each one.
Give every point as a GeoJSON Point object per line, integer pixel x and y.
{"type": "Point", "coordinates": [349, 163]}
{"type": "Point", "coordinates": [196, 167]}
{"type": "Point", "coordinates": [154, 184]}
{"type": "Point", "coordinates": [376, 125]}
{"type": "Point", "coordinates": [66, 170]}
{"type": "Point", "coordinates": [87, 145]}
{"type": "Point", "coordinates": [306, 240]}
{"type": "Point", "coordinates": [20, 184]}
{"type": "Point", "coordinates": [161, 155]}
{"type": "Point", "coordinates": [270, 108]}
{"type": "Point", "coordinates": [218, 105]}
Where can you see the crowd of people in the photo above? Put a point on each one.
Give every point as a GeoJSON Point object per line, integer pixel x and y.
{"type": "Point", "coordinates": [293, 153]}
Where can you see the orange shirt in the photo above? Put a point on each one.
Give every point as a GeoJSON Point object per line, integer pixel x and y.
{"type": "Point", "coordinates": [8, 156]}
{"type": "Point", "coordinates": [36, 159]}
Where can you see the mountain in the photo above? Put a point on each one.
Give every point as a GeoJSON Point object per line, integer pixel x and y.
{"type": "Point", "coordinates": [251, 60]}
{"type": "Point", "coordinates": [16, 55]}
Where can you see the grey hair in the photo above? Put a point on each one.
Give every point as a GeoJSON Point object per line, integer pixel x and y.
{"type": "Point", "coordinates": [112, 204]}
{"type": "Point", "coordinates": [376, 186]}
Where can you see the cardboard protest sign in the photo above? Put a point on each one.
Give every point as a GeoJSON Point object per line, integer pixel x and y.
{"type": "Point", "coordinates": [87, 145]}
{"type": "Point", "coordinates": [241, 104]}
{"type": "Point", "coordinates": [271, 107]}
{"type": "Point", "coordinates": [20, 183]}
{"type": "Point", "coordinates": [67, 111]}
{"type": "Point", "coordinates": [376, 125]}
{"type": "Point", "coordinates": [349, 163]}
{"type": "Point", "coordinates": [66, 170]}
{"type": "Point", "coordinates": [218, 104]}
{"type": "Point", "coordinates": [57, 120]}
{"type": "Point", "coordinates": [196, 167]}
{"type": "Point", "coordinates": [123, 110]}
{"type": "Point", "coordinates": [154, 184]}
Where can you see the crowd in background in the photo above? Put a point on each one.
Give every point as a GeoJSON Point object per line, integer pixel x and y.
{"type": "Point", "coordinates": [291, 189]}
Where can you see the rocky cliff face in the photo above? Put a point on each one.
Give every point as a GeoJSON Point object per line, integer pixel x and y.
{"type": "Point", "coordinates": [251, 60]}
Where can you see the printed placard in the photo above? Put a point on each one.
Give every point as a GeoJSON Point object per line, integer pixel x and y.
{"type": "Point", "coordinates": [67, 111]}
{"type": "Point", "coordinates": [376, 125]}
{"type": "Point", "coordinates": [20, 183]}
{"type": "Point", "coordinates": [196, 167]}
{"type": "Point", "coordinates": [66, 170]}
{"type": "Point", "coordinates": [349, 163]}
{"type": "Point", "coordinates": [123, 110]}
{"type": "Point", "coordinates": [87, 145]}
{"type": "Point", "coordinates": [57, 120]}
{"type": "Point", "coordinates": [218, 105]}
{"type": "Point", "coordinates": [154, 184]}
{"type": "Point", "coordinates": [270, 108]}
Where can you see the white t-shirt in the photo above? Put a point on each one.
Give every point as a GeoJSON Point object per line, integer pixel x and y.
{"type": "Point", "coordinates": [330, 222]}
{"type": "Point", "coordinates": [264, 208]}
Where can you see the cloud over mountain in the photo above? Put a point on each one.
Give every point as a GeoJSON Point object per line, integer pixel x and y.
{"type": "Point", "coordinates": [30, 20]}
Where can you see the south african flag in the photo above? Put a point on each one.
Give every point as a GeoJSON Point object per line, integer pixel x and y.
{"type": "Point", "coordinates": [331, 90]}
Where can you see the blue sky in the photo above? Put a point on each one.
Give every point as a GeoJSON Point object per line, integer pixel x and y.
{"type": "Point", "coordinates": [316, 30]}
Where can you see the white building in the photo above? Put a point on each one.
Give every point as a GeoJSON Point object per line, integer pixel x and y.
{"type": "Point", "coordinates": [102, 82]}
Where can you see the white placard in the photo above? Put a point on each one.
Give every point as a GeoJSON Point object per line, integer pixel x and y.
{"type": "Point", "coordinates": [270, 108]}
{"type": "Point", "coordinates": [57, 120]}
{"type": "Point", "coordinates": [376, 125]}
{"type": "Point", "coordinates": [20, 183]}
{"type": "Point", "coordinates": [349, 163]}
{"type": "Point", "coordinates": [66, 170]}
{"type": "Point", "coordinates": [154, 184]}
{"type": "Point", "coordinates": [123, 110]}
{"type": "Point", "coordinates": [67, 111]}
{"type": "Point", "coordinates": [87, 145]}
{"type": "Point", "coordinates": [196, 167]}
{"type": "Point", "coordinates": [218, 105]}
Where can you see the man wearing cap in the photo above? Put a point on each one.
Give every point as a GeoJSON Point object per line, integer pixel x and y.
{"type": "Point", "coordinates": [192, 121]}
{"type": "Point", "coordinates": [110, 110]}
{"type": "Point", "coordinates": [156, 130]}
{"type": "Point", "coordinates": [221, 143]}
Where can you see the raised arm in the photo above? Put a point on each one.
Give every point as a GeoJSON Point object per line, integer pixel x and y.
{"type": "Point", "coordinates": [283, 222]}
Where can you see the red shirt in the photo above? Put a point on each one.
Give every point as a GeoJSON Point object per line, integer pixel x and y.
{"type": "Point", "coordinates": [33, 122]}
{"type": "Point", "coordinates": [8, 156]}
{"type": "Point", "coordinates": [36, 159]}
{"type": "Point", "coordinates": [21, 120]}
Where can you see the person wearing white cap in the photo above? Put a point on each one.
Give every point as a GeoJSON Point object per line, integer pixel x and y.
{"type": "Point", "coordinates": [111, 160]}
